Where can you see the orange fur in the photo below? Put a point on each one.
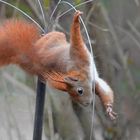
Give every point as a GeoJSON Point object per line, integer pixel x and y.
{"type": "Point", "coordinates": [17, 38]}
{"type": "Point", "coordinates": [65, 66]}
{"type": "Point", "coordinates": [77, 43]}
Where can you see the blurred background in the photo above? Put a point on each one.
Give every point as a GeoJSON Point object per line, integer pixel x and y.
{"type": "Point", "coordinates": [114, 29]}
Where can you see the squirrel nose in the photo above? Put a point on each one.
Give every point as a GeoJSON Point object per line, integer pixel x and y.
{"type": "Point", "coordinates": [86, 103]}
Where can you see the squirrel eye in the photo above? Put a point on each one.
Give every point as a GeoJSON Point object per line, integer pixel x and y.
{"type": "Point", "coordinates": [80, 91]}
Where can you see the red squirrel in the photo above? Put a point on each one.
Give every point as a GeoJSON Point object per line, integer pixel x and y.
{"type": "Point", "coordinates": [65, 66]}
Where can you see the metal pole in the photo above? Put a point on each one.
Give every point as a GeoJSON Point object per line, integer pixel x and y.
{"type": "Point", "coordinates": [40, 100]}
{"type": "Point", "coordinates": [39, 109]}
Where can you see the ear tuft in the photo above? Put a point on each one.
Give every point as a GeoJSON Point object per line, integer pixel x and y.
{"type": "Point", "coordinates": [77, 14]}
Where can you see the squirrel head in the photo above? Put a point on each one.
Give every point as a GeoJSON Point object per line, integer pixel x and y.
{"type": "Point", "coordinates": [79, 87]}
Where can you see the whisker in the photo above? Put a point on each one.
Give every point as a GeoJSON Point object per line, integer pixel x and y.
{"type": "Point", "coordinates": [25, 14]}
{"type": "Point", "coordinates": [55, 76]}
{"type": "Point", "coordinates": [42, 12]}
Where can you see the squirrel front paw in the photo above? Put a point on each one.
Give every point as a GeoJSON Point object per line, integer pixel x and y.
{"type": "Point", "coordinates": [109, 110]}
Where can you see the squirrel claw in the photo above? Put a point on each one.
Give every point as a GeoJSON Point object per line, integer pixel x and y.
{"type": "Point", "coordinates": [109, 110]}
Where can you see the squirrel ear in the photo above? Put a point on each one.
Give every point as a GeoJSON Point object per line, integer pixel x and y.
{"type": "Point", "coordinates": [70, 79]}
{"type": "Point", "coordinates": [76, 39]}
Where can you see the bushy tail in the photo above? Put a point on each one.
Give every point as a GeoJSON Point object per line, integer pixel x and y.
{"type": "Point", "coordinates": [16, 37]}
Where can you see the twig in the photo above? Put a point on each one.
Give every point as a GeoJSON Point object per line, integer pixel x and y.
{"type": "Point", "coordinates": [119, 50]}
{"type": "Point", "coordinates": [9, 111]}
{"type": "Point", "coordinates": [98, 27]}
{"type": "Point", "coordinates": [137, 2]}
{"type": "Point", "coordinates": [89, 14]}
{"type": "Point", "coordinates": [15, 11]}
{"type": "Point", "coordinates": [129, 34]}
{"type": "Point", "coordinates": [50, 116]}
{"type": "Point", "coordinates": [34, 10]}
{"type": "Point", "coordinates": [2, 11]}
{"type": "Point", "coordinates": [133, 28]}
{"type": "Point", "coordinates": [18, 84]}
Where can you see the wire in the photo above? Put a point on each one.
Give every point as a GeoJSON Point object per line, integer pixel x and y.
{"type": "Point", "coordinates": [54, 10]}
{"type": "Point", "coordinates": [23, 14]}
{"type": "Point", "coordinates": [93, 107]}
{"type": "Point", "coordinates": [42, 12]}
{"type": "Point", "coordinates": [75, 7]}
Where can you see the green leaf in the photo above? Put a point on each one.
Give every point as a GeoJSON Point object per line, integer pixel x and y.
{"type": "Point", "coordinates": [46, 3]}
{"type": "Point", "coordinates": [77, 2]}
